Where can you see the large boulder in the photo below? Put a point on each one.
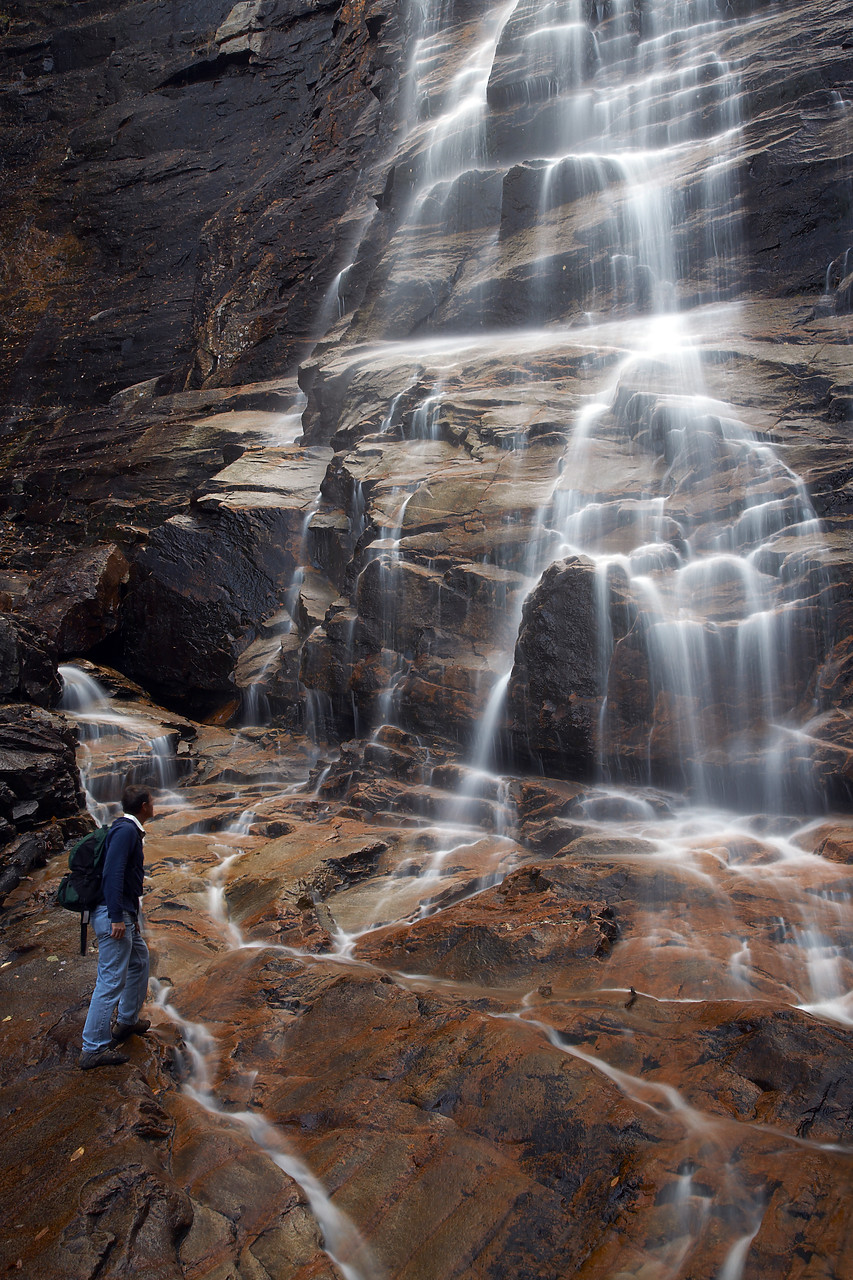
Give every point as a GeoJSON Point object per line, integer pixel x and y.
{"type": "Point", "coordinates": [206, 579]}
{"type": "Point", "coordinates": [198, 588]}
{"type": "Point", "coordinates": [560, 671]}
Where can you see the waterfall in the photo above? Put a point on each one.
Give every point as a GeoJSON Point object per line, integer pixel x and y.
{"type": "Point", "coordinates": [567, 183]}
{"type": "Point", "coordinates": [580, 548]}
{"type": "Point", "coordinates": [564, 584]}
{"type": "Point", "coordinates": [117, 747]}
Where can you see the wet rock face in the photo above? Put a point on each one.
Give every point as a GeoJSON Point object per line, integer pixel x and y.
{"type": "Point", "coordinates": [421, 556]}
{"type": "Point", "coordinates": [191, 632]}
{"type": "Point", "coordinates": [180, 172]}
{"type": "Point", "coordinates": [38, 764]}
{"type": "Point", "coordinates": [240, 539]}
{"type": "Point", "coordinates": [516, 1026]}
{"type": "Point", "coordinates": [27, 664]}
{"type": "Point", "coordinates": [553, 260]}
{"type": "Point", "coordinates": [78, 598]}
{"type": "Point", "coordinates": [40, 793]}
{"type": "Point", "coordinates": [547, 1049]}
{"type": "Point", "coordinates": [559, 673]}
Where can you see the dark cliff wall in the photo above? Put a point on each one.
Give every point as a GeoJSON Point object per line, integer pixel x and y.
{"type": "Point", "coordinates": [174, 182]}
{"type": "Point", "coordinates": [182, 181]}
{"type": "Point", "coordinates": [179, 178]}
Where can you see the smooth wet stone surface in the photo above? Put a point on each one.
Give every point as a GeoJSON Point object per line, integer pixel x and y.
{"type": "Point", "coordinates": [545, 501]}
{"type": "Point", "coordinates": [611, 1024]}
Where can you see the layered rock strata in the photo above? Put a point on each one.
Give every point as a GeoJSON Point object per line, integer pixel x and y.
{"type": "Point", "coordinates": [181, 178]}
{"type": "Point", "coordinates": [400, 535]}
{"type": "Point", "coordinates": [565, 491]}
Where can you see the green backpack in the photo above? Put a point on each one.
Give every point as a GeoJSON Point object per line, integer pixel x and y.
{"type": "Point", "coordinates": [80, 889]}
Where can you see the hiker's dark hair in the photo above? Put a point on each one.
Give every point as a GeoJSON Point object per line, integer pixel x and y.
{"type": "Point", "coordinates": [133, 798]}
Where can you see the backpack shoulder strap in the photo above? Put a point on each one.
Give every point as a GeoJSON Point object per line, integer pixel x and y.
{"type": "Point", "coordinates": [116, 825]}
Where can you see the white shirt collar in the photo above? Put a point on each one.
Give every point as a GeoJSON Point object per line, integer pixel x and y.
{"type": "Point", "coordinates": [134, 819]}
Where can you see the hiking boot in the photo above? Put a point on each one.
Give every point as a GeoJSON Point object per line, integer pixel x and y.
{"type": "Point", "coordinates": [121, 1030]}
{"type": "Point", "coordinates": [106, 1057]}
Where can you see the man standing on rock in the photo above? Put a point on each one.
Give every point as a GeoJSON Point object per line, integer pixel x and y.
{"type": "Point", "coordinates": [122, 953]}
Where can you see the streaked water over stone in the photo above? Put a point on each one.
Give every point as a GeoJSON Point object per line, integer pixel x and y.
{"type": "Point", "coordinates": [546, 961]}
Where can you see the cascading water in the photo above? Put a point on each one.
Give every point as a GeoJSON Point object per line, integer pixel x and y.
{"type": "Point", "coordinates": [116, 747]}
{"type": "Point", "coordinates": [721, 642]}
{"type": "Point", "coordinates": [568, 208]}
{"type": "Point", "coordinates": [644, 102]}
{"type": "Point", "coordinates": [615, 197]}
{"type": "Point", "coordinates": [538, 403]}
{"type": "Point", "coordinates": [609, 191]}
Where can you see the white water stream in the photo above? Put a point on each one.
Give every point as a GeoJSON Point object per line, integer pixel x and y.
{"type": "Point", "coordinates": [117, 747]}
{"type": "Point", "coordinates": [342, 1242]}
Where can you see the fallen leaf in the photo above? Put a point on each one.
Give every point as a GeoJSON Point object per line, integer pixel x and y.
{"type": "Point", "coordinates": [52, 958]}
{"type": "Point", "coordinates": [8, 1018]}
{"type": "Point", "coordinates": [5, 964]}
{"type": "Point", "coordinates": [613, 1181]}
{"type": "Point", "coordinates": [43, 1232]}
{"type": "Point", "coordinates": [77, 1154]}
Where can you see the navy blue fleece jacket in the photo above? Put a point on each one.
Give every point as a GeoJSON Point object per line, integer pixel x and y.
{"type": "Point", "coordinates": [123, 869]}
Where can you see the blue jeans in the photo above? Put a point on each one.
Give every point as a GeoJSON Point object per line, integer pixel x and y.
{"type": "Point", "coordinates": [122, 978]}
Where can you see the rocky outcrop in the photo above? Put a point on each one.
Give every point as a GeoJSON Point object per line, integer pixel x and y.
{"type": "Point", "coordinates": [27, 664]}
{"type": "Point", "coordinates": [559, 676]}
{"type": "Point", "coordinates": [21, 854]}
{"type": "Point", "coordinates": [40, 793]}
{"type": "Point", "coordinates": [240, 538]}
{"type": "Point", "coordinates": [184, 178]}
{"type": "Point", "coordinates": [77, 599]}
{"type": "Point", "coordinates": [38, 768]}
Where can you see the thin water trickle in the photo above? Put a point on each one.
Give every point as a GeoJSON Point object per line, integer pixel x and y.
{"type": "Point", "coordinates": [341, 1240]}
{"type": "Point", "coordinates": [117, 747]}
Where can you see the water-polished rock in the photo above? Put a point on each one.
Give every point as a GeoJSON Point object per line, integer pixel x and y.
{"type": "Point", "coordinates": [27, 663]}
{"type": "Point", "coordinates": [77, 601]}
{"type": "Point", "coordinates": [560, 648]}
{"type": "Point", "coordinates": [558, 1011]}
